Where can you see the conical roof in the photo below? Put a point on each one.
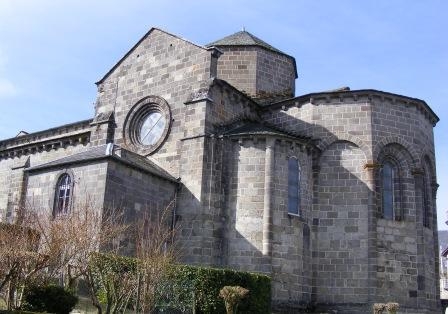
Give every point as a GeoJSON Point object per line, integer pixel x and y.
{"type": "Point", "coordinates": [243, 38]}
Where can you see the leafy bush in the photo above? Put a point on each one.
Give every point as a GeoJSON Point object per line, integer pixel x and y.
{"type": "Point", "coordinates": [52, 299]}
{"type": "Point", "coordinates": [199, 287]}
{"type": "Point", "coordinates": [232, 295]}
{"type": "Point", "coordinates": [183, 287]}
{"type": "Point", "coordinates": [115, 279]}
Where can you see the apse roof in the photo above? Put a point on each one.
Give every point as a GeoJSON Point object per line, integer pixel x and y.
{"type": "Point", "coordinates": [246, 127]}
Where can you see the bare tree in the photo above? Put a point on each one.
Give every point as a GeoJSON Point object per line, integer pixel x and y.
{"type": "Point", "coordinates": [134, 281]}
{"type": "Point", "coordinates": [18, 260]}
{"type": "Point", "coordinates": [40, 246]}
{"type": "Point", "coordinates": [156, 250]}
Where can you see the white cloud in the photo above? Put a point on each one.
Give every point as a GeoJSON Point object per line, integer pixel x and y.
{"type": "Point", "coordinates": [7, 88]}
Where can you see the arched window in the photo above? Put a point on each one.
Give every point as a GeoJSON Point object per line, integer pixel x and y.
{"type": "Point", "coordinates": [425, 202]}
{"type": "Point", "coordinates": [293, 186]}
{"type": "Point", "coordinates": [63, 195]}
{"type": "Point", "coordinates": [388, 189]}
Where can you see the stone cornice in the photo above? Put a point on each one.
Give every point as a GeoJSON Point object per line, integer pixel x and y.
{"type": "Point", "coordinates": [45, 135]}
{"type": "Point", "coordinates": [356, 96]}
{"type": "Point", "coordinates": [54, 142]}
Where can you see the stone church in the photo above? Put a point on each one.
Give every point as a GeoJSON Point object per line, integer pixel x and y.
{"type": "Point", "coordinates": [331, 193]}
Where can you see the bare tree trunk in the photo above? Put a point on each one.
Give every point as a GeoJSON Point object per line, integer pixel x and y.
{"type": "Point", "coordinates": [92, 293]}
{"type": "Point", "coordinates": [137, 301]}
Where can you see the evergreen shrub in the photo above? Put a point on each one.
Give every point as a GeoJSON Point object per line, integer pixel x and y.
{"type": "Point", "coordinates": [192, 286]}
{"type": "Point", "coordinates": [51, 299]}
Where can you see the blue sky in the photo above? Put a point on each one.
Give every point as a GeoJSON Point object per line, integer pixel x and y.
{"type": "Point", "coordinates": [52, 52]}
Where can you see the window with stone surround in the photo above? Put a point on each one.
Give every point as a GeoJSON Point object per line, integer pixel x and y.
{"type": "Point", "coordinates": [425, 202]}
{"type": "Point", "coordinates": [147, 125]}
{"type": "Point", "coordinates": [63, 195]}
{"type": "Point", "coordinates": [390, 190]}
{"type": "Point", "coordinates": [293, 186]}
{"type": "Point", "coordinates": [389, 174]}
{"type": "Point", "coordinates": [395, 182]}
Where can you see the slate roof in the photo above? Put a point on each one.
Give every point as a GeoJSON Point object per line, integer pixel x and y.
{"type": "Point", "coordinates": [242, 128]}
{"type": "Point", "coordinates": [243, 38]}
{"type": "Point", "coordinates": [109, 151]}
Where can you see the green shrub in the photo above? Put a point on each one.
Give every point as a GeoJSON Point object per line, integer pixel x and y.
{"type": "Point", "coordinates": [232, 295]}
{"type": "Point", "coordinates": [189, 286]}
{"type": "Point", "coordinates": [52, 299]}
{"type": "Point", "coordinates": [186, 287]}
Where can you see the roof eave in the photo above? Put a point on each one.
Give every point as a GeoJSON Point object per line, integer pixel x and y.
{"type": "Point", "coordinates": [101, 158]}
{"type": "Point", "coordinates": [359, 91]}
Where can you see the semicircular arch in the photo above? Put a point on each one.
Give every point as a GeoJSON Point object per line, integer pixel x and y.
{"type": "Point", "coordinates": [387, 141]}
{"type": "Point", "coordinates": [353, 139]}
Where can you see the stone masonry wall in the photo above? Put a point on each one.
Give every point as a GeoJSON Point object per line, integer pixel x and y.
{"type": "Point", "coordinates": [227, 106]}
{"type": "Point", "coordinates": [141, 195]}
{"type": "Point", "coordinates": [258, 72]}
{"type": "Point", "coordinates": [289, 263]}
{"type": "Point", "coordinates": [407, 126]}
{"type": "Point", "coordinates": [245, 205]}
{"type": "Point", "coordinates": [89, 184]}
{"type": "Point", "coordinates": [275, 76]}
{"type": "Point", "coordinates": [373, 124]}
{"type": "Point", "coordinates": [238, 66]}
{"type": "Point", "coordinates": [341, 219]}
{"type": "Point", "coordinates": [339, 223]}
{"type": "Point", "coordinates": [292, 243]}
{"type": "Point", "coordinates": [162, 65]}
{"type": "Point", "coordinates": [190, 207]}
{"type": "Point", "coordinates": [172, 68]}
{"type": "Point", "coordinates": [12, 175]}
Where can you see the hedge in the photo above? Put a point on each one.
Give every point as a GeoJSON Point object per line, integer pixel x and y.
{"type": "Point", "coordinates": [190, 285]}
{"type": "Point", "coordinates": [186, 287]}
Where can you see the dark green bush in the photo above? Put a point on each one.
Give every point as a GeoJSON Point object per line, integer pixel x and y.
{"type": "Point", "coordinates": [188, 285]}
{"type": "Point", "coordinates": [52, 299]}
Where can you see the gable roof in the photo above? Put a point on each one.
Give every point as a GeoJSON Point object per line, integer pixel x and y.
{"type": "Point", "coordinates": [138, 43]}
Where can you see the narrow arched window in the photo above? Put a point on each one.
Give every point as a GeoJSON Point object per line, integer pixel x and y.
{"type": "Point", "coordinates": [425, 203]}
{"type": "Point", "coordinates": [388, 178]}
{"type": "Point", "coordinates": [63, 195]}
{"type": "Point", "coordinates": [293, 186]}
